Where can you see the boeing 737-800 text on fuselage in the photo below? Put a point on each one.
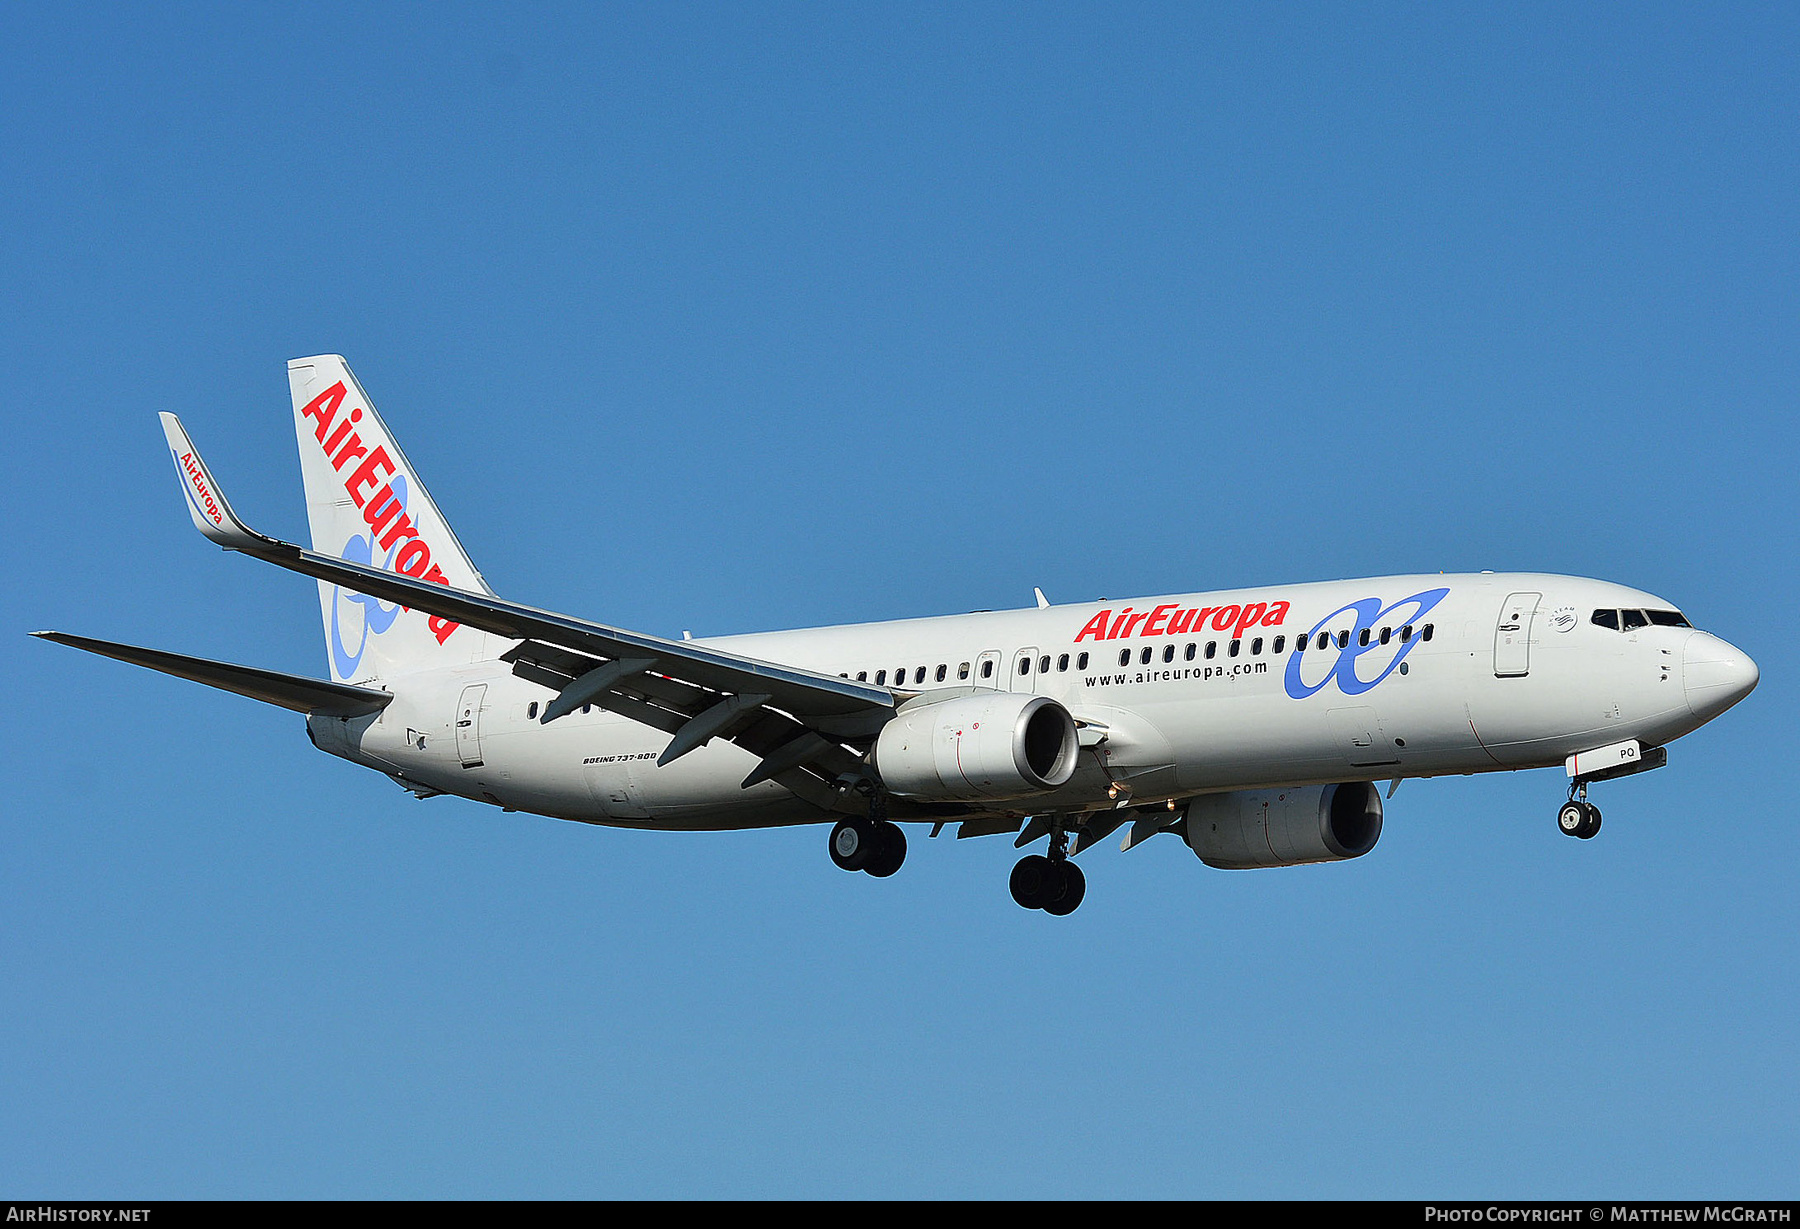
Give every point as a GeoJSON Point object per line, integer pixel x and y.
{"type": "Point", "coordinates": [1252, 723]}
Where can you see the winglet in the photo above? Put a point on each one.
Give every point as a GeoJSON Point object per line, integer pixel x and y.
{"type": "Point", "coordinates": [206, 502]}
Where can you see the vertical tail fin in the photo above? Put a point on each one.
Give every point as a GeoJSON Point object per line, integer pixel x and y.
{"type": "Point", "coordinates": [365, 503]}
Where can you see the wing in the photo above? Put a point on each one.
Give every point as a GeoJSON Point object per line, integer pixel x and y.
{"type": "Point", "coordinates": [804, 727]}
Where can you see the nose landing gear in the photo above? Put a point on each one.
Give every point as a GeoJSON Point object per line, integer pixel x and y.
{"type": "Point", "coordinates": [1053, 884]}
{"type": "Point", "coordinates": [1581, 818]}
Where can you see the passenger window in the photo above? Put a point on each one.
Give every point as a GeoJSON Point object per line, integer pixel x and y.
{"type": "Point", "coordinates": [531, 709]}
{"type": "Point", "coordinates": [1024, 665]}
{"type": "Point", "coordinates": [1280, 643]}
{"type": "Point", "coordinates": [862, 676]}
{"type": "Point", "coordinates": [1631, 620]}
{"type": "Point", "coordinates": [1188, 653]}
{"type": "Point", "coordinates": [1362, 638]}
{"type": "Point", "coordinates": [1425, 632]}
{"type": "Point", "coordinates": [1144, 657]}
{"type": "Point", "coordinates": [1168, 652]}
{"type": "Point", "coordinates": [881, 678]}
{"type": "Point", "coordinates": [1406, 633]}
{"type": "Point", "coordinates": [1044, 664]}
{"type": "Point", "coordinates": [1386, 632]}
{"type": "Point", "coordinates": [987, 669]}
{"type": "Point", "coordinates": [1324, 639]}
{"type": "Point", "coordinates": [1256, 647]}
{"type": "Point", "coordinates": [1235, 646]}
{"type": "Point", "coordinates": [586, 709]}
{"type": "Point", "coordinates": [1124, 657]}
{"type": "Point", "coordinates": [1081, 662]}
{"type": "Point", "coordinates": [1343, 640]}
{"type": "Point", "coordinates": [1212, 649]}
{"type": "Point", "coordinates": [1062, 663]}
{"type": "Point", "coordinates": [962, 671]}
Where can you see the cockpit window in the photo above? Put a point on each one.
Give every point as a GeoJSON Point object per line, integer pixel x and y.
{"type": "Point", "coordinates": [1631, 620]}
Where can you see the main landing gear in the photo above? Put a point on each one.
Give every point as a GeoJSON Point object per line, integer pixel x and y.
{"type": "Point", "coordinates": [1053, 884]}
{"type": "Point", "coordinates": [1579, 817]}
{"type": "Point", "coordinates": [875, 845]}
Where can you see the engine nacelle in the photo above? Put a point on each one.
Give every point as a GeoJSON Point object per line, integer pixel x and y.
{"type": "Point", "coordinates": [1284, 827]}
{"type": "Point", "coordinates": [994, 744]}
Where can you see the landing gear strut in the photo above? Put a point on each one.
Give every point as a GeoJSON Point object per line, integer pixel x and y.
{"type": "Point", "coordinates": [1053, 884]}
{"type": "Point", "coordinates": [875, 845]}
{"type": "Point", "coordinates": [1578, 816]}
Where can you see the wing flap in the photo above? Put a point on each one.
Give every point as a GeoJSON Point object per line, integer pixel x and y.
{"type": "Point", "coordinates": [780, 741]}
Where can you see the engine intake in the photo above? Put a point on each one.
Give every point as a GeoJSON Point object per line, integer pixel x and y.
{"type": "Point", "coordinates": [1284, 827]}
{"type": "Point", "coordinates": [997, 744]}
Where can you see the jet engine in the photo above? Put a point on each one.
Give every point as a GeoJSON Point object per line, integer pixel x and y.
{"type": "Point", "coordinates": [994, 744]}
{"type": "Point", "coordinates": [1284, 827]}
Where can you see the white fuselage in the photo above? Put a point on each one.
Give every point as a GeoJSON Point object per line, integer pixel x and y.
{"type": "Point", "coordinates": [1460, 674]}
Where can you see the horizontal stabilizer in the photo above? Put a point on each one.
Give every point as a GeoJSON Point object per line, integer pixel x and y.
{"type": "Point", "coordinates": [292, 691]}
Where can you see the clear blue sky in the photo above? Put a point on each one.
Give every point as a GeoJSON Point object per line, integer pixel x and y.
{"type": "Point", "coordinates": [739, 317]}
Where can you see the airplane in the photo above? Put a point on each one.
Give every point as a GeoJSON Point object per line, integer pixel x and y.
{"type": "Point", "coordinates": [1253, 724]}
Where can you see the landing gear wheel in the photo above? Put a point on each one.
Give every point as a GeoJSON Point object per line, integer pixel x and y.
{"type": "Point", "coordinates": [1031, 880]}
{"type": "Point", "coordinates": [1074, 887]}
{"type": "Point", "coordinates": [1572, 818]}
{"type": "Point", "coordinates": [1055, 885]}
{"type": "Point", "coordinates": [854, 842]}
{"type": "Point", "coordinates": [1590, 829]}
{"type": "Point", "coordinates": [889, 851]}
{"type": "Point", "coordinates": [1579, 819]}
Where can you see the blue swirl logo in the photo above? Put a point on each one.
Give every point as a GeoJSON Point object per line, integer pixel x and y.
{"type": "Point", "coordinates": [375, 617]}
{"type": "Point", "coordinates": [1369, 612]}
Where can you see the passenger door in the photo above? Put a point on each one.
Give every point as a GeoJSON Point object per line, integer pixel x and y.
{"type": "Point", "coordinates": [468, 724]}
{"type": "Point", "coordinates": [1512, 635]}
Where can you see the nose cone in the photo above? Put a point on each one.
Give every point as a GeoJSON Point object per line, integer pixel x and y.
{"type": "Point", "coordinates": [1715, 675]}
